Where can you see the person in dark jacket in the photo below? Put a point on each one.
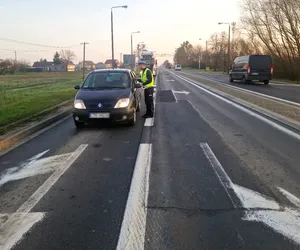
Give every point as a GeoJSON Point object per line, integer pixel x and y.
{"type": "Point", "coordinates": [147, 80]}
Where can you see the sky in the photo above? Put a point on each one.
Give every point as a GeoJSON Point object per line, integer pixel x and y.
{"type": "Point", "coordinates": [163, 26]}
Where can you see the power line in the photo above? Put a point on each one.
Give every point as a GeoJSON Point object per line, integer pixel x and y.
{"type": "Point", "coordinates": [12, 50]}
{"type": "Point", "coordinates": [36, 44]}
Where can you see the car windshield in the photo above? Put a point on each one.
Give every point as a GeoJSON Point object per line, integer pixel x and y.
{"type": "Point", "coordinates": [107, 80]}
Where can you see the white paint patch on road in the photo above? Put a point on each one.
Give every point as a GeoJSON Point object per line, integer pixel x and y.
{"type": "Point", "coordinates": [170, 80]}
{"type": "Point", "coordinates": [249, 112]}
{"type": "Point", "coordinates": [149, 122]}
{"type": "Point", "coordinates": [292, 198]}
{"type": "Point", "coordinates": [21, 221]}
{"type": "Point", "coordinates": [132, 235]}
{"type": "Point", "coordinates": [285, 222]}
{"type": "Point", "coordinates": [254, 200]}
{"type": "Point", "coordinates": [180, 92]}
{"type": "Point", "coordinates": [259, 207]}
{"type": "Point", "coordinates": [19, 224]}
{"type": "Point", "coordinates": [33, 167]}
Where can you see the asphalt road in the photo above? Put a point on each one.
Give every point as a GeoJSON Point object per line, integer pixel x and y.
{"type": "Point", "coordinates": [214, 180]}
{"type": "Point", "coordinates": [289, 92]}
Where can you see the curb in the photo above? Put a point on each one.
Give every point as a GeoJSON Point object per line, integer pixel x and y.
{"type": "Point", "coordinates": [12, 140]}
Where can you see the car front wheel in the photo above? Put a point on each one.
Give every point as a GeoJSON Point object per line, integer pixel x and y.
{"type": "Point", "coordinates": [132, 121]}
{"type": "Point", "coordinates": [79, 125]}
{"type": "Point", "coordinates": [230, 78]}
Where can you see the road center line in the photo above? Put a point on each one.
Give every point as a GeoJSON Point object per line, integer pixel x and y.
{"type": "Point", "coordinates": [249, 112]}
{"type": "Point", "coordinates": [132, 234]}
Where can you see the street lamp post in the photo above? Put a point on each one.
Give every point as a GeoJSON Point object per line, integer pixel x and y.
{"type": "Point", "coordinates": [200, 56]}
{"type": "Point", "coordinates": [136, 32]}
{"type": "Point", "coordinates": [229, 30]}
{"type": "Point", "coordinates": [133, 61]}
{"type": "Point", "coordinates": [112, 33]}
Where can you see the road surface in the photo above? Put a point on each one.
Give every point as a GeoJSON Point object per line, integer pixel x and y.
{"type": "Point", "coordinates": [289, 92]}
{"type": "Point", "coordinates": [219, 178]}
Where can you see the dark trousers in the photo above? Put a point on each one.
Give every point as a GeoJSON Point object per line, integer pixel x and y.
{"type": "Point", "coordinates": [149, 101]}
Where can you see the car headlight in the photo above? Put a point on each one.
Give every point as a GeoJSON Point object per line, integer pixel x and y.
{"type": "Point", "coordinates": [79, 104]}
{"type": "Point", "coordinates": [122, 103]}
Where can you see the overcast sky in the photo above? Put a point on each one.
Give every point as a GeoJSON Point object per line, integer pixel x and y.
{"type": "Point", "coordinates": [163, 26]}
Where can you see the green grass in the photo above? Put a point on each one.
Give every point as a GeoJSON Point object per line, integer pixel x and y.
{"type": "Point", "coordinates": [24, 80]}
{"type": "Point", "coordinates": [16, 105]}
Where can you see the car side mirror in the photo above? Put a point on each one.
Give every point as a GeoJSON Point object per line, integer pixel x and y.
{"type": "Point", "coordinates": [138, 85]}
{"type": "Point", "coordinates": [77, 87]}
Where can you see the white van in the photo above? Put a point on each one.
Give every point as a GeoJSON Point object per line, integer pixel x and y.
{"type": "Point", "coordinates": [178, 67]}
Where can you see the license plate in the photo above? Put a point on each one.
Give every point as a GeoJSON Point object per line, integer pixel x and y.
{"type": "Point", "coordinates": [99, 115]}
{"type": "Point", "coordinates": [255, 74]}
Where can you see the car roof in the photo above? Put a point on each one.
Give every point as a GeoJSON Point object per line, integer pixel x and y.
{"type": "Point", "coordinates": [111, 70]}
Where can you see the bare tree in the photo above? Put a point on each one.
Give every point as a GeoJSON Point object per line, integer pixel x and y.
{"type": "Point", "coordinates": [67, 55]}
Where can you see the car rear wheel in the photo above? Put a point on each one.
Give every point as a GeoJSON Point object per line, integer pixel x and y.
{"type": "Point", "coordinates": [132, 121]}
{"type": "Point", "coordinates": [266, 82]}
{"type": "Point", "coordinates": [79, 125]}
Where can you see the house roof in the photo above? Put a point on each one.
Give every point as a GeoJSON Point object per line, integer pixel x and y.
{"type": "Point", "coordinates": [109, 61]}
{"type": "Point", "coordinates": [89, 63]}
{"type": "Point", "coordinates": [42, 64]}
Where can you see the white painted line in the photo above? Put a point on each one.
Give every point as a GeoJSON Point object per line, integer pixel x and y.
{"type": "Point", "coordinates": [11, 227]}
{"type": "Point", "coordinates": [149, 122]}
{"type": "Point", "coordinates": [132, 234]}
{"type": "Point", "coordinates": [174, 96]}
{"type": "Point", "coordinates": [219, 170]}
{"type": "Point", "coordinates": [292, 198]}
{"type": "Point", "coordinates": [34, 167]}
{"type": "Point", "coordinates": [170, 80]}
{"type": "Point", "coordinates": [19, 224]}
{"type": "Point", "coordinates": [249, 112]}
{"type": "Point", "coordinates": [253, 92]}
{"type": "Point", "coordinates": [259, 208]}
{"type": "Point", "coordinates": [248, 198]}
{"type": "Point", "coordinates": [42, 190]}
{"type": "Point", "coordinates": [180, 92]}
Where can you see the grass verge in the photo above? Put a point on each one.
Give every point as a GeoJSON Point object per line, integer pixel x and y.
{"type": "Point", "coordinates": [17, 105]}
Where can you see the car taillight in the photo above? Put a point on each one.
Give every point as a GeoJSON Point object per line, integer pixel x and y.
{"type": "Point", "coordinates": [272, 69]}
{"type": "Point", "coordinates": [249, 69]}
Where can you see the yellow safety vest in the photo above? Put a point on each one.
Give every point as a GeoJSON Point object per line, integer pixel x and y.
{"type": "Point", "coordinates": [144, 78]}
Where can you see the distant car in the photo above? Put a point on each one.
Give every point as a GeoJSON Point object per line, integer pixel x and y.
{"type": "Point", "coordinates": [252, 68]}
{"type": "Point", "coordinates": [107, 95]}
{"type": "Point", "coordinates": [177, 67]}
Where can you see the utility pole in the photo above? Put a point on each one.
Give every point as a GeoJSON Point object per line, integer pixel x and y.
{"type": "Point", "coordinates": [15, 55]}
{"type": "Point", "coordinates": [83, 60]}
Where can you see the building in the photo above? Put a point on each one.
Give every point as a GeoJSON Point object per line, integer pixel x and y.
{"type": "Point", "coordinates": [108, 63]}
{"type": "Point", "coordinates": [42, 66]}
{"type": "Point", "coordinates": [89, 65]}
{"type": "Point", "coordinates": [100, 65]}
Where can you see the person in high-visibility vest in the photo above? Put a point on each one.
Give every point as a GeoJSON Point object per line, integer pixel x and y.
{"type": "Point", "coordinates": [147, 80]}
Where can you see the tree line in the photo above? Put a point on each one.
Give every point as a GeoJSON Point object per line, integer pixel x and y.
{"type": "Point", "coordinates": [265, 27]}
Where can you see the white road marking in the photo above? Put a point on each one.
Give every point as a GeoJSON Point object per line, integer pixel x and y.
{"type": "Point", "coordinates": [21, 221]}
{"type": "Point", "coordinates": [249, 112]}
{"type": "Point", "coordinates": [132, 234]}
{"type": "Point", "coordinates": [19, 224]}
{"type": "Point", "coordinates": [34, 167]}
{"type": "Point", "coordinates": [260, 208]}
{"type": "Point", "coordinates": [253, 92]}
{"type": "Point", "coordinates": [174, 96]}
{"type": "Point", "coordinates": [170, 80]}
{"type": "Point", "coordinates": [292, 198]}
{"type": "Point", "coordinates": [180, 92]}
